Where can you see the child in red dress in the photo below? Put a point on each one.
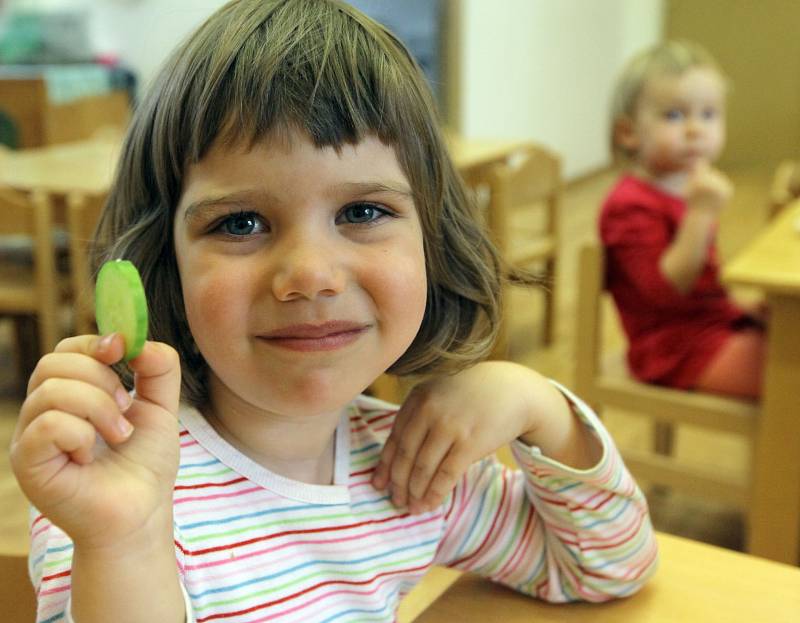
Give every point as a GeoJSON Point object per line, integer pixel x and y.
{"type": "Point", "coordinates": [659, 225]}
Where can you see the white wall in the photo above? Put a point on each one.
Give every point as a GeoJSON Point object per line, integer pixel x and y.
{"type": "Point", "coordinates": [544, 70]}
{"type": "Point", "coordinates": [140, 32]}
{"type": "Point", "coordinates": [144, 32]}
{"type": "Point", "coordinates": [537, 69]}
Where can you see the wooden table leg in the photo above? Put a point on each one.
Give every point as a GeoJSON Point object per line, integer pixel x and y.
{"type": "Point", "coordinates": [774, 518]}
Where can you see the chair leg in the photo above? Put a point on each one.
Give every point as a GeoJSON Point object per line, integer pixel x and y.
{"type": "Point", "coordinates": [549, 316]}
{"type": "Point", "coordinates": [549, 306]}
{"type": "Point", "coordinates": [664, 438]}
{"type": "Point", "coordinates": [26, 349]}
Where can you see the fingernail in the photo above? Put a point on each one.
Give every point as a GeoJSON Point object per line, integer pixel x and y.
{"type": "Point", "coordinates": [123, 399]}
{"type": "Point", "coordinates": [124, 427]}
{"type": "Point", "coordinates": [105, 342]}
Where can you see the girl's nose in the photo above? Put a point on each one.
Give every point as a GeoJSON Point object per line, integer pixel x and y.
{"type": "Point", "coordinates": [693, 126]}
{"type": "Point", "coordinates": [307, 270]}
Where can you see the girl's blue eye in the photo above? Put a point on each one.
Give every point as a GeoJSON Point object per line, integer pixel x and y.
{"type": "Point", "coordinates": [673, 115]}
{"type": "Point", "coordinates": [240, 224]}
{"type": "Point", "coordinates": [709, 113]}
{"type": "Point", "coordinates": [359, 213]}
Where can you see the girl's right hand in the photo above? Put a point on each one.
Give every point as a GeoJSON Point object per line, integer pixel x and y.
{"type": "Point", "coordinates": [708, 189]}
{"type": "Point", "coordinates": [100, 493]}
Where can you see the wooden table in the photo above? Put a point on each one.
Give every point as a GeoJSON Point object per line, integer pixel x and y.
{"type": "Point", "coordinates": [84, 166]}
{"type": "Point", "coordinates": [88, 165]}
{"type": "Point", "coordinates": [694, 583]}
{"type": "Point", "coordinates": [771, 262]}
{"type": "Point", "coordinates": [472, 155]}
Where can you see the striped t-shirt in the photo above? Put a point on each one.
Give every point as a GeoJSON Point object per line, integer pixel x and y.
{"type": "Point", "coordinates": [252, 546]}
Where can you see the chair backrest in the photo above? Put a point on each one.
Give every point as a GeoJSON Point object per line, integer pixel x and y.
{"type": "Point", "coordinates": [17, 599]}
{"type": "Point", "coordinates": [83, 213]}
{"type": "Point", "coordinates": [531, 178]}
{"type": "Point", "coordinates": [31, 215]}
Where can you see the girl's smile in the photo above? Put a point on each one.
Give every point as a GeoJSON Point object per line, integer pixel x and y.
{"type": "Point", "coordinates": [310, 337]}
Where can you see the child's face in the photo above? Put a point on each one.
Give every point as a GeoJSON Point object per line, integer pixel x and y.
{"type": "Point", "coordinates": [679, 120]}
{"type": "Point", "coordinates": [303, 270]}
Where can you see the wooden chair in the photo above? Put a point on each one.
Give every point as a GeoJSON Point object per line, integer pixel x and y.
{"type": "Point", "coordinates": [785, 186]}
{"type": "Point", "coordinates": [522, 216]}
{"type": "Point", "coordinates": [83, 213]}
{"type": "Point", "coordinates": [605, 382]}
{"type": "Point", "coordinates": [30, 290]}
{"type": "Point", "coordinates": [16, 592]}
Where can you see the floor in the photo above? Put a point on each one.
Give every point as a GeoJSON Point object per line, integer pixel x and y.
{"type": "Point", "coordinates": [695, 518]}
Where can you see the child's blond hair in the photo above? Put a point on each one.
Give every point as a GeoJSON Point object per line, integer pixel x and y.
{"type": "Point", "coordinates": [670, 58]}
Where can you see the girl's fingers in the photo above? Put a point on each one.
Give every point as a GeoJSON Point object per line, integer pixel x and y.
{"type": "Point", "coordinates": [407, 445]}
{"type": "Point", "coordinates": [435, 447]}
{"type": "Point", "coordinates": [84, 357]}
{"type": "Point", "coordinates": [157, 372]}
{"type": "Point", "coordinates": [51, 441]}
{"type": "Point", "coordinates": [81, 399]}
{"type": "Point", "coordinates": [450, 470]}
{"type": "Point", "coordinates": [107, 349]}
{"type": "Point", "coordinates": [381, 475]}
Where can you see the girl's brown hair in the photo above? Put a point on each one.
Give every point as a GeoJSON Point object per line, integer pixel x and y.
{"type": "Point", "coordinates": [257, 67]}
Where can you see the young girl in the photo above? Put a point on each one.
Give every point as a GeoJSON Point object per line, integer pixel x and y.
{"type": "Point", "coordinates": [659, 227]}
{"type": "Point", "coordinates": [300, 229]}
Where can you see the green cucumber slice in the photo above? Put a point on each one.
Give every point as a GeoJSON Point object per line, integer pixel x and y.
{"type": "Point", "coordinates": [121, 305]}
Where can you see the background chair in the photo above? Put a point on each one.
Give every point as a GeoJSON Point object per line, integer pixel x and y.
{"type": "Point", "coordinates": [83, 213]}
{"type": "Point", "coordinates": [16, 592]}
{"type": "Point", "coordinates": [522, 216]}
{"type": "Point", "coordinates": [29, 284]}
{"type": "Point", "coordinates": [604, 382]}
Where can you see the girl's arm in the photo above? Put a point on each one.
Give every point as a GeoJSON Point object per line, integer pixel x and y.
{"type": "Point", "coordinates": [572, 525]}
{"type": "Point", "coordinates": [100, 465]}
{"type": "Point", "coordinates": [708, 191]}
{"type": "Point", "coordinates": [135, 579]}
{"type": "Point", "coordinates": [551, 531]}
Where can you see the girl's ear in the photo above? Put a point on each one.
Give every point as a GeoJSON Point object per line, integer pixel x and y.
{"type": "Point", "coordinates": [625, 135]}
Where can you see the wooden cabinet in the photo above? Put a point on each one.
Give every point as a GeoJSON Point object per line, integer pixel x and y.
{"type": "Point", "coordinates": [38, 121]}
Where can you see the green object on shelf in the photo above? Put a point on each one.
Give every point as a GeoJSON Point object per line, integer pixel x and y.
{"type": "Point", "coordinates": [9, 135]}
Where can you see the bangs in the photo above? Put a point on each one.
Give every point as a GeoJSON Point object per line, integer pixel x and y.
{"type": "Point", "coordinates": [312, 66]}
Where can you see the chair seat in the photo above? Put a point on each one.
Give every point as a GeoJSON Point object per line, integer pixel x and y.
{"type": "Point", "coordinates": [616, 386]}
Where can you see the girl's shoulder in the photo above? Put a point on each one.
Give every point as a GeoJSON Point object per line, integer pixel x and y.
{"type": "Point", "coordinates": [630, 188]}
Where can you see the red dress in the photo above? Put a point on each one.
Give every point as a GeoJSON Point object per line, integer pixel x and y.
{"type": "Point", "coordinates": [671, 336]}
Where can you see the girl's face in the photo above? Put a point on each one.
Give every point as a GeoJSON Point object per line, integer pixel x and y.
{"type": "Point", "coordinates": [302, 269]}
{"type": "Point", "coordinates": [679, 120]}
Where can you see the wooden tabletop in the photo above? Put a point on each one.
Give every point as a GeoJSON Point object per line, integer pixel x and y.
{"type": "Point", "coordinates": [772, 260]}
{"type": "Point", "coordinates": [85, 166]}
{"type": "Point", "coordinates": [88, 166]}
{"type": "Point", "coordinates": [694, 583]}
{"type": "Point", "coordinates": [472, 153]}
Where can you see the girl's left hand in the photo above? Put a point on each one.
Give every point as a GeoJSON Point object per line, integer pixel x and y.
{"type": "Point", "coordinates": [448, 423]}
